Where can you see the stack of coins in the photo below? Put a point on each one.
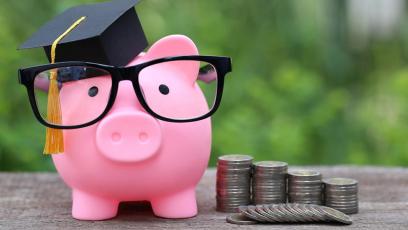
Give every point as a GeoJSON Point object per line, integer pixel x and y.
{"type": "Point", "coordinates": [269, 182]}
{"type": "Point", "coordinates": [287, 213]}
{"type": "Point", "coordinates": [233, 182]}
{"type": "Point", "coordinates": [341, 194]}
{"type": "Point", "coordinates": [305, 186]}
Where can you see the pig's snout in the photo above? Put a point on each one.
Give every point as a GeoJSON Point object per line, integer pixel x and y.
{"type": "Point", "coordinates": [128, 136]}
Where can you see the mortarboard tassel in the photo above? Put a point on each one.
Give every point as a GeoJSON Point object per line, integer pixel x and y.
{"type": "Point", "coordinates": [54, 139]}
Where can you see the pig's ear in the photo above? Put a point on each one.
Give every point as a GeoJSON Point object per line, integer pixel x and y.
{"type": "Point", "coordinates": [176, 45]}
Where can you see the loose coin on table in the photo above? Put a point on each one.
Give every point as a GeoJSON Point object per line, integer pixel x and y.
{"type": "Point", "coordinates": [238, 218]}
{"type": "Point", "coordinates": [291, 213]}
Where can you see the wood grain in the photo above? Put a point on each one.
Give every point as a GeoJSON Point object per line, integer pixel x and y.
{"type": "Point", "coordinates": [42, 201]}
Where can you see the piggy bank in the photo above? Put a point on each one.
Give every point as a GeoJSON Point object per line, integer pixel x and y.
{"type": "Point", "coordinates": [131, 156]}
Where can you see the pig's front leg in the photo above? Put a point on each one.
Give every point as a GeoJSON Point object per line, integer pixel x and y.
{"type": "Point", "coordinates": [86, 206]}
{"type": "Point", "coordinates": [178, 205]}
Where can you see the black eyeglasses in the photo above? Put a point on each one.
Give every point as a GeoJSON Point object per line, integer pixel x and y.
{"type": "Point", "coordinates": [167, 88]}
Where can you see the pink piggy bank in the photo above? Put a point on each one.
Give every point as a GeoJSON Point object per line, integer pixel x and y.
{"type": "Point", "coordinates": [130, 155]}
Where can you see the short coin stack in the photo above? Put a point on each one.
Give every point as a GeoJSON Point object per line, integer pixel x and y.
{"type": "Point", "coordinates": [269, 182]}
{"type": "Point", "coordinates": [233, 182]}
{"type": "Point", "coordinates": [341, 194]}
{"type": "Point", "coordinates": [305, 186]}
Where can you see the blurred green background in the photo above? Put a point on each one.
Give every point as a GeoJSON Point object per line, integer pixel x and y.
{"type": "Point", "coordinates": [313, 82]}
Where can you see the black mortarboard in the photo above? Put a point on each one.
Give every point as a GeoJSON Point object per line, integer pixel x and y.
{"type": "Point", "coordinates": [111, 34]}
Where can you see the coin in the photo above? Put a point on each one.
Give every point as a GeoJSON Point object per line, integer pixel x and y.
{"type": "Point", "coordinates": [233, 182]}
{"type": "Point", "coordinates": [305, 186]}
{"type": "Point", "coordinates": [269, 215]}
{"type": "Point", "coordinates": [245, 210]}
{"type": "Point", "coordinates": [272, 208]}
{"type": "Point", "coordinates": [305, 174]}
{"type": "Point", "coordinates": [341, 194]}
{"type": "Point", "coordinates": [336, 215]}
{"type": "Point", "coordinates": [235, 159]}
{"type": "Point", "coordinates": [239, 218]}
{"type": "Point", "coordinates": [340, 182]}
{"type": "Point", "coordinates": [269, 182]}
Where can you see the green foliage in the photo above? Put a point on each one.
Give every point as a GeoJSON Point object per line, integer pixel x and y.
{"type": "Point", "coordinates": [299, 92]}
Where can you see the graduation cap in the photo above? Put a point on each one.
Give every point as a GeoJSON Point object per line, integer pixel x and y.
{"type": "Point", "coordinates": [107, 33]}
{"type": "Point", "coordinates": [110, 34]}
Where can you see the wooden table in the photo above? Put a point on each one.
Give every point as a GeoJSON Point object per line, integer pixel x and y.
{"type": "Point", "coordinates": [42, 201]}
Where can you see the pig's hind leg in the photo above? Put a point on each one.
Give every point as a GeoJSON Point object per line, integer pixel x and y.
{"type": "Point", "coordinates": [182, 204]}
{"type": "Point", "coordinates": [87, 206]}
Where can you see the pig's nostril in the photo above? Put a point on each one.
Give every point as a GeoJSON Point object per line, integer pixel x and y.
{"type": "Point", "coordinates": [116, 137]}
{"type": "Point", "coordinates": [143, 137]}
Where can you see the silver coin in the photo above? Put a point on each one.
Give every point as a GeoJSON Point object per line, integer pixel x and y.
{"type": "Point", "coordinates": [336, 215]}
{"type": "Point", "coordinates": [234, 201]}
{"type": "Point", "coordinates": [270, 178]}
{"type": "Point", "coordinates": [317, 202]}
{"type": "Point", "coordinates": [351, 202]}
{"type": "Point", "coordinates": [240, 219]}
{"type": "Point", "coordinates": [305, 185]}
{"type": "Point", "coordinates": [340, 182]}
{"type": "Point", "coordinates": [234, 158]}
{"type": "Point", "coordinates": [253, 210]}
{"type": "Point", "coordinates": [304, 173]}
{"type": "Point", "coordinates": [286, 208]}
{"type": "Point", "coordinates": [228, 187]}
{"type": "Point", "coordinates": [270, 164]}
{"type": "Point", "coordinates": [341, 191]}
{"type": "Point", "coordinates": [314, 208]}
{"type": "Point", "coordinates": [315, 215]}
{"type": "Point", "coordinates": [341, 196]}
{"type": "Point", "coordinates": [261, 208]}
{"type": "Point", "coordinates": [306, 216]}
{"type": "Point", "coordinates": [246, 211]}
{"type": "Point", "coordinates": [269, 191]}
{"type": "Point", "coordinates": [269, 216]}
{"type": "Point", "coordinates": [246, 166]}
{"type": "Point", "coordinates": [269, 201]}
{"type": "Point", "coordinates": [269, 187]}
{"type": "Point", "coordinates": [272, 184]}
{"type": "Point", "coordinates": [269, 197]}
{"type": "Point", "coordinates": [233, 175]}
{"type": "Point", "coordinates": [297, 216]}
{"type": "Point", "coordinates": [233, 198]}
{"type": "Point", "coordinates": [341, 187]}
{"type": "Point", "coordinates": [273, 209]}
{"type": "Point", "coordinates": [230, 206]}
{"type": "Point", "coordinates": [227, 209]}
{"type": "Point", "coordinates": [232, 190]}
{"type": "Point", "coordinates": [312, 214]}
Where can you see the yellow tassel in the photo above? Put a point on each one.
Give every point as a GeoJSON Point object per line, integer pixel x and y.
{"type": "Point", "coordinates": [54, 139]}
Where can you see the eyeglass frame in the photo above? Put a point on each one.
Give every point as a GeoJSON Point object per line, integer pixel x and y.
{"type": "Point", "coordinates": [26, 77]}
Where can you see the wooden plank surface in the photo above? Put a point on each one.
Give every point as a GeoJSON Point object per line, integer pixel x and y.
{"type": "Point", "coordinates": [42, 201]}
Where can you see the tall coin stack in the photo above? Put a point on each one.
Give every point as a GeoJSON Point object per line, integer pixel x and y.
{"type": "Point", "coordinates": [341, 194]}
{"type": "Point", "coordinates": [233, 182]}
{"type": "Point", "coordinates": [269, 182]}
{"type": "Point", "coordinates": [305, 186]}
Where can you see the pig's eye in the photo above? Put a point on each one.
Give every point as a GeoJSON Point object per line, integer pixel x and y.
{"type": "Point", "coordinates": [164, 89]}
{"type": "Point", "coordinates": [93, 91]}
